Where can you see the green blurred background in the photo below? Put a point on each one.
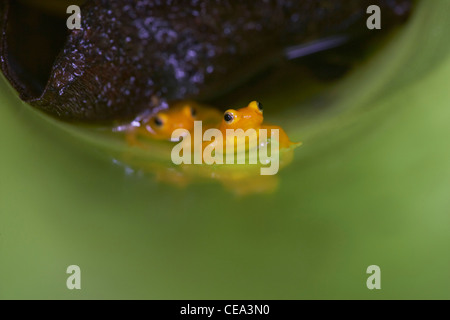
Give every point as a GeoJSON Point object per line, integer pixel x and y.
{"type": "Point", "coordinates": [370, 186]}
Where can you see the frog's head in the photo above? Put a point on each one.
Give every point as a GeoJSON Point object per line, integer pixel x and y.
{"type": "Point", "coordinates": [250, 117]}
{"type": "Point", "coordinates": [181, 116]}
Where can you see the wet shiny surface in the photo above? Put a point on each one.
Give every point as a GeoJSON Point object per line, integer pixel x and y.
{"type": "Point", "coordinates": [369, 186]}
{"type": "Point", "coordinates": [131, 56]}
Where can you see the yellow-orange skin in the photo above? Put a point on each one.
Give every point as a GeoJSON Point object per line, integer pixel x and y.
{"type": "Point", "coordinates": [239, 181]}
{"type": "Point", "coordinates": [183, 114]}
{"type": "Point", "coordinates": [251, 117]}
{"type": "Point", "coordinates": [180, 116]}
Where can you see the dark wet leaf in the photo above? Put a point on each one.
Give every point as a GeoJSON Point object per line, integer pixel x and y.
{"type": "Point", "coordinates": [131, 56]}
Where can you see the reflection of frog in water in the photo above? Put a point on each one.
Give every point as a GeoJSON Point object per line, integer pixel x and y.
{"type": "Point", "coordinates": [241, 179]}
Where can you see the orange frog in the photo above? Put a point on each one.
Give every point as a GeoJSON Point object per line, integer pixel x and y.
{"type": "Point", "coordinates": [241, 180]}
{"type": "Point", "coordinates": [182, 115]}
{"type": "Point", "coordinates": [251, 117]}
{"type": "Point", "coordinates": [179, 116]}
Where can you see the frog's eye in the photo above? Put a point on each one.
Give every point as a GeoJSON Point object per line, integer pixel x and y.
{"type": "Point", "coordinates": [228, 117]}
{"type": "Point", "coordinates": [193, 112]}
{"type": "Point", "coordinates": [158, 121]}
{"type": "Point", "coordinates": [260, 106]}
{"type": "Point", "coordinates": [257, 106]}
{"type": "Point", "coordinates": [189, 111]}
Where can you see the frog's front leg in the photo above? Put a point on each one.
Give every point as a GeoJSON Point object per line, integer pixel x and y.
{"type": "Point", "coordinates": [132, 136]}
